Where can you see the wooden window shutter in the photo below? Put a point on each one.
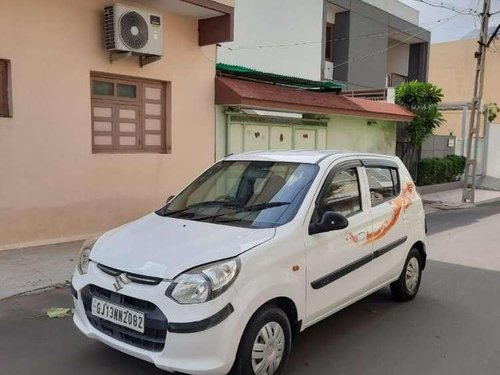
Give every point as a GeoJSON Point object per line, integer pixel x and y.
{"type": "Point", "coordinates": [103, 125]}
{"type": "Point", "coordinates": [129, 114]}
{"type": "Point", "coordinates": [128, 127]}
{"type": "Point", "coordinates": [4, 89]}
{"type": "Point", "coordinates": [154, 117]}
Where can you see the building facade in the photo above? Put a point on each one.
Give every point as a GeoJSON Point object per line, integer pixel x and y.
{"type": "Point", "coordinates": [370, 44]}
{"type": "Point", "coordinates": [452, 68]}
{"type": "Point", "coordinates": [457, 79]}
{"type": "Point", "coordinates": [88, 144]}
{"type": "Point", "coordinates": [364, 46]}
{"type": "Point", "coordinates": [259, 111]}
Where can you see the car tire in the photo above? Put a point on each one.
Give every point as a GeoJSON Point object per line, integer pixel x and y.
{"type": "Point", "coordinates": [271, 324]}
{"type": "Point", "coordinates": [406, 287]}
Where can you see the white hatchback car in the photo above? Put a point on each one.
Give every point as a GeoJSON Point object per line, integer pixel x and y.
{"type": "Point", "coordinates": [258, 248]}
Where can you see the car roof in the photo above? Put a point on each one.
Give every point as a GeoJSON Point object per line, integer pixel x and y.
{"type": "Point", "coordinates": [300, 156]}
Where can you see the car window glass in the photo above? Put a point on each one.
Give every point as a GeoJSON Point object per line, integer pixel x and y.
{"type": "Point", "coordinates": [341, 194]}
{"type": "Point", "coordinates": [259, 194]}
{"type": "Point", "coordinates": [222, 185]}
{"type": "Point", "coordinates": [383, 183]}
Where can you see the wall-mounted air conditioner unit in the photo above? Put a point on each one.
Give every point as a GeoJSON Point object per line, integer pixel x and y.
{"type": "Point", "coordinates": [133, 30]}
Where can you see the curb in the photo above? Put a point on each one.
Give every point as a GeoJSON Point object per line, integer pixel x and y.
{"type": "Point", "coordinates": [448, 206]}
{"type": "Point", "coordinates": [38, 290]}
{"type": "Point", "coordinates": [429, 189]}
{"type": "Point", "coordinates": [492, 200]}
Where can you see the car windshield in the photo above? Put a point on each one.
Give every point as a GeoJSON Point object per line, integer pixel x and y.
{"type": "Point", "coordinates": [259, 194]}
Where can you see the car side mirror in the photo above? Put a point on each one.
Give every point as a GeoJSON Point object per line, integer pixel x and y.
{"type": "Point", "coordinates": [169, 199]}
{"type": "Point", "coordinates": [329, 222]}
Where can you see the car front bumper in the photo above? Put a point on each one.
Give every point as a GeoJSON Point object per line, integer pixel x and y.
{"type": "Point", "coordinates": [198, 339]}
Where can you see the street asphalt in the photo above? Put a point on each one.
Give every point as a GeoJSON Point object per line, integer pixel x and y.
{"type": "Point", "coordinates": [444, 220]}
{"type": "Point", "coordinates": [452, 327]}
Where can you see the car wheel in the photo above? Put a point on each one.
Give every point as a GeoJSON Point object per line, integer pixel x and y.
{"type": "Point", "coordinates": [406, 287]}
{"type": "Point", "coordinates": [265, 346]}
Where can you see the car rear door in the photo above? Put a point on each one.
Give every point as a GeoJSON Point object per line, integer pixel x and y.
{"type": "Point", "coordinates": [388, 201]}
{"type": "Point", "coordinates": [338, 268]}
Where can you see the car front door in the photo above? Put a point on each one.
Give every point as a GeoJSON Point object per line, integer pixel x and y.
{"type": "Point", "coordinates": [338, 268]}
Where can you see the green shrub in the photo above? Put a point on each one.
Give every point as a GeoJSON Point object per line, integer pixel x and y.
{"type": "Point", "coordinates": [458, 163]}
{"type": "Point", "coordinates": [439, 171]}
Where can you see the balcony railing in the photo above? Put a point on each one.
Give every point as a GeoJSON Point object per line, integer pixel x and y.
{"type": "Point", "coordinates": [375, 95]}
{"type": "Point", "coordinates": [382, 95]}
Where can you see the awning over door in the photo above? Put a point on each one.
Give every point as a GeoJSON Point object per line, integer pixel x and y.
{"type": "Point", "coordinates": [250, 94]}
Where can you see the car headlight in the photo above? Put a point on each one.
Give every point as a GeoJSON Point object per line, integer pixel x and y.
{"type": "Point", "coordinates": [84, 259]}
{"type": "Point", "coordinates": [204, 283]}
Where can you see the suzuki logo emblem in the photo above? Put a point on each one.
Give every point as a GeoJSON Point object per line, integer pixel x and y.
{"type": "Point", "coordinates": [121, 281]}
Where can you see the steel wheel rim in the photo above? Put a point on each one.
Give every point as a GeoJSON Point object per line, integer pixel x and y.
{"type": "Point", "coordinates": [268, 349]}
{"type": "Point", "coordinates": [412, 274]}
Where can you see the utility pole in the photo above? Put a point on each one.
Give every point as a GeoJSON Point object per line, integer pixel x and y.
{"type": "Point", "coordinates": [475, 115]}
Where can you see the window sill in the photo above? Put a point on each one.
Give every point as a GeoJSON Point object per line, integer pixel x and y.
{"type": "Point", "coordinates": [129, 152]}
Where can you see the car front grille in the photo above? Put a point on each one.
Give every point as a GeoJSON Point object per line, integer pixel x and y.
{"type": "Point", "coordinates": [135, 278]}
{"type": "Point", "coordinates": [155, 322]}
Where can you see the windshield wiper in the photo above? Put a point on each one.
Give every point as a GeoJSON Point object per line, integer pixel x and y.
{"type": "Point", "coordinates": [201, 204]}
{"type": "Point", "coordinates": [255, 207]}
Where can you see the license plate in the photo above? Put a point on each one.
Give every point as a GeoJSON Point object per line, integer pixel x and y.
{"type": "Point", "coordinates": [117, 314]}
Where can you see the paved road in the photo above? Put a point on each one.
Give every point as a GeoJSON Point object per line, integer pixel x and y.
{"type": "Point", "coordinates": [451, 328]}
{"type": "Point", "coordinates": [445, 220]}
{"type": "Point", "coordinates": [468, 237]}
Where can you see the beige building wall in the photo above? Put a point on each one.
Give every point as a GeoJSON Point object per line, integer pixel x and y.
{"type": "Point", "coordinates": [452, 68]}
{"type": "Point", "coordinates": [51, 184]}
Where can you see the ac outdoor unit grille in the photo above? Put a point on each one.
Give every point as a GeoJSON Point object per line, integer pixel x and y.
{"type": "Point", "coordinates": [133, 30]}
{"type": "Point", "coordinates": [109, 28]}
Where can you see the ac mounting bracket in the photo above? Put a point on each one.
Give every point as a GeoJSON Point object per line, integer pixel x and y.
{"type": "Point", "coordinates": [143, 59]}
{"type": "Point", "coordinates": [148, 59]}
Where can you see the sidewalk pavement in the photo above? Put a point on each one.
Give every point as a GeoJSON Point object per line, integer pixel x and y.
{"type": "Point", "coordinates": [452, 199]}
{"type": "Point", "coordinates": [37, 268]}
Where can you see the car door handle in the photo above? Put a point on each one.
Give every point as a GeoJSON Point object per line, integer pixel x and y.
{"type": "Point", "coordinates": [361, 236]}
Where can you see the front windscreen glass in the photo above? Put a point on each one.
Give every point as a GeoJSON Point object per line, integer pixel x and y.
{"type": "Point", "coordinates": [261, 194]}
